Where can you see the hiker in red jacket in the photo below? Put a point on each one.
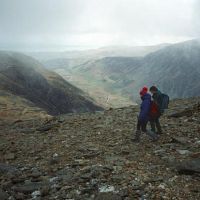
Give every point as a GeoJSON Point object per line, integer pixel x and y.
{"type": "Point", "coordinates": [156, 110]}
{"type": "Point", "coordinates": [143, 117]}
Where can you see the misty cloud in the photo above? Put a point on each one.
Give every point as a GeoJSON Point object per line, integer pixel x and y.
{"type": "Point", "coordinates": [99, 22]}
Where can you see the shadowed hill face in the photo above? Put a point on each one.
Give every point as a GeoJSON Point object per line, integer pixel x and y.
{"type": "Point", "coordinates": [24, 76]}
{"type": "Point", "coordinates": [175, 69]}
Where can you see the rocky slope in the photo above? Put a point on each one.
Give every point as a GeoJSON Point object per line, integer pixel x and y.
{"type": "Point", "coordinates": [15, 109]}
{"type": "Point", "coordinates": [23, 76]}
{"type": "Point", "coordinates": [91, 156]}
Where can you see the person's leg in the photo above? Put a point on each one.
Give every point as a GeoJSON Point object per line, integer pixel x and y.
{"type": "Point", "coordinates": [138, 125]}
{"type": "Point", "coordinates": [138, 132]}
{"type": "Point", "coordinates": [144, 127]}
{"type": "Point", "coordinates": [153, 125]}
{"type": "Point", "coordinates": [158, 126]}
{"type": "Point", "coordinates": [150, 133]}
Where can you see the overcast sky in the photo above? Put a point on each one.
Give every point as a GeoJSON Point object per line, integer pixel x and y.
{"type": "Point", "coordinates": [45, 23]}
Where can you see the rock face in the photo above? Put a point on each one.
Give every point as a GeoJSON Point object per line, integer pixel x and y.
{"type": "Point", "coordinates": [91, 156]}
{"type": "Point", "coordinates": [24, 76]}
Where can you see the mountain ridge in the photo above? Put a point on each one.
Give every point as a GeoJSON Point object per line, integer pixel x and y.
{"type": "Point", "coordinates": [175, 69]}
{"type": "Point", "coordinates": [24, 76]}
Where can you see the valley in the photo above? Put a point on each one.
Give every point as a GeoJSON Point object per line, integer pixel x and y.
{"type": "Point", "coordinates": [119, 78]}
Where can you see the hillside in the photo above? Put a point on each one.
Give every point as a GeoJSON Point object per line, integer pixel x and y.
{"type": "Point", "coordinates": [175, 69]}
{"type": "Point", "coordinates": [91, 156]}
{"type": "Point", "coordinates": [15, 109]}
{"type": "Point", "coordinates": [23, 76]}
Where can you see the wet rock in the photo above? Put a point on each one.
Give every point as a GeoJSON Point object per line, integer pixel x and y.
{"type": "Point", "coordinates": [45, 127]}
{"type": "Point", "coordinates": [107, 196]}
{"type": "Point", "coordinates": [179, 140]}
{"type": "Point", "coordinates": [10, 156]}
{"type": "Point", "coordinates": [35, 173]}
{"type": "Point", "coordinates": [100, 126]}
{"type": "Point", "coordinates": [28, 187]}
{"type": "Point", "coordinates": [54, 161]}
{"type": "Point", "coordinates": [160, 152]}
{"type": "Point", "coordinates": [189, 167]}
{"type": "Point", "coordinates": [18, 180]}
{"type": "Point", "coordinates": [106, 188]}
{"type": "Point", "coordinates": [183, 152]}
{"type": "Point", "coordinates": [35, 194]}
{"type": "Point", "coordinates": [186, 112]}
{"type": "Point", "coordinates": [45, 191]}
{"type": "Point", "coordinates": [91, 155]}
{"type": "Point", "coordinates": [195, 155]}
{"type": "Point", "coordinates": [162, 186]}
{"type": "Point", "coordinates": [6, 168]}
{"type": "Point", "coordinates": [3, 195]}
{"type": "Point", "coordinates": [19, 196]}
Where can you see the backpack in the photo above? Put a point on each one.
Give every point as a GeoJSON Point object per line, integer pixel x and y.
{"type": "Point", "coordinates": [164, 103]}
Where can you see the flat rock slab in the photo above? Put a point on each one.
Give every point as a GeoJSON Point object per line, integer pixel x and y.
{"type": "Point", "coordinates": [29, 188]}
{"type": "Point", "coordinates": [107, 196]}
{"type": "Point", "coordinates": [186, 112]}
{"type": "Point", "coordinates": [9, 156]}
{"type": "Point", "coordinates": [189, 167]}
{"type": "Point", "coordinates": [5, 168]}
{"type": "Point", "coordinates": [180, 140]}
{"type": "Point", "coordinates": [3, 195]}
{"type": "Point", "coordinates": [45, 127]}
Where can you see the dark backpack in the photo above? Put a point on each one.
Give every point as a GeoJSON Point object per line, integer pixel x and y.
{"type": "Point", "coordinates": [164, 103]}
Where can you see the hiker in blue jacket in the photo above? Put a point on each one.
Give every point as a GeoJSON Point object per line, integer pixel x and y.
{"type": "Point", "coordinates": [143, 117]}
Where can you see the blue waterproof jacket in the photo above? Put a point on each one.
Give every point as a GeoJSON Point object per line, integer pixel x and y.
{"type": "Point", "coordinates": [145, 108]}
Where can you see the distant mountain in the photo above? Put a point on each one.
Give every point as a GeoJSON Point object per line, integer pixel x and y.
{"type": "Point", "coordinates": [106, 51]}
{"type": "Point", "coordinates": [175, 69]}
{"type": "Point", "coordinates": [66, 63]}
{"type": "Point", "coordinates": [69, 59]}
{"type": "Point", "coordinates": [24, 76]}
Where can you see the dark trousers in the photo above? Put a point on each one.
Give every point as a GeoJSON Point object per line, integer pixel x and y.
{"type": "Point", "coordinates": [141, 126]}
{"type": "Point", "coordinates": [155, 124]}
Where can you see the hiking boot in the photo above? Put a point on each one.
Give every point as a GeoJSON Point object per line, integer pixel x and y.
{"type": "Point", "coordinates": [152, 135]}
{"type": "Point", "coordinates": [155, 139]}
{"type": "Point", "coordinates": [137, 136]}
{"type": "Point", "coordinates": [136, 140]}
